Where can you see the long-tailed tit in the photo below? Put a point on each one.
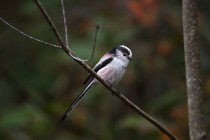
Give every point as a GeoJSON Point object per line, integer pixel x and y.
{"type": "Point", "coordinates": [111, 67]}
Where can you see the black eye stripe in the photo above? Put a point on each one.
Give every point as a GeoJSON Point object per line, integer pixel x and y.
{"type": "Point", "coordinates": [123, 50]}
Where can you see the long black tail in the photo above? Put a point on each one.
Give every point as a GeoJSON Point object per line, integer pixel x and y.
{"type": "Point", "coordinates": [75, 102]}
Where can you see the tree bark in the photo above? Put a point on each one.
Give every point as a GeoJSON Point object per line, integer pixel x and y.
{"type": "Point", "coordinates": [197, 128]}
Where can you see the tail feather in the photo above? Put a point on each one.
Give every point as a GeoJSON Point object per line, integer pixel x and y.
{"type": "Point", "coordinates": [75, 102]}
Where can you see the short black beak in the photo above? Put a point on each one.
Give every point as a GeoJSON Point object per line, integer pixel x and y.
{"type": "Point", "coordinates": [130, 58]}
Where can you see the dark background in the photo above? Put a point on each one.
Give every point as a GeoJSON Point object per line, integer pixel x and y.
{"type": "Point", "coordinates": [38, 82]}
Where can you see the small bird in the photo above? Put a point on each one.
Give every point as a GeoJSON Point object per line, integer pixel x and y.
{"type": "Point", "coordinates": [111, 67]}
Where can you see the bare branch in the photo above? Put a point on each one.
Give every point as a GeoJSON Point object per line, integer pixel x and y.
{"type": "Point", "coordinates": [65, 23]}
{"type": "Point", "coordinates": [52, 26]}
{"type": "Point", "coordinates": [28, 36]}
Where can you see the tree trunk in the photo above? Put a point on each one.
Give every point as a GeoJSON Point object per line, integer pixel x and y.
{"type": "Point", "coordinates": [194, 80]}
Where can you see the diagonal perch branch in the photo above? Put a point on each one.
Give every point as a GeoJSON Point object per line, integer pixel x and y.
{"type": "Point", "coordinates": [113, 90]}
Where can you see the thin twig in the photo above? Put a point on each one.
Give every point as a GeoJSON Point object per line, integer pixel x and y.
{"type": "Point", "coordinates": [65, 23]}
{"type": "Point", "coordinates": [85, 66]}
{"type": "Point", "coordinates": [97, 26]}
{"type": "Point", "coordinates": [28, 36]}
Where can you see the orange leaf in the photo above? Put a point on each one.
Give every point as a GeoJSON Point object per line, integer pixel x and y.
{"type": "Point", "coordinates": [145, 10]}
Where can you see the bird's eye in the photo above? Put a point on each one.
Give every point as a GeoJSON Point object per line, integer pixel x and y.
{"type": "Point", "coordinates": [124, 54]}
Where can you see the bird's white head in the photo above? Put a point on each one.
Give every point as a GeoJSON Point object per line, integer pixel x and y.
{"type": "Point", "coordinates": [122, 52]}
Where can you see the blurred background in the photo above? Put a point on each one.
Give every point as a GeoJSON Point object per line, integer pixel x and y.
{"type": "Point", "coordinates": [38, 82]}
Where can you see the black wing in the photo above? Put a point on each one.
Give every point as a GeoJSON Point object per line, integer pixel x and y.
{"type": "Point", "coordinates": [98, 67]}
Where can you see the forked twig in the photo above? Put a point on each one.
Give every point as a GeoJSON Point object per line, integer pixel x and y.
{"type": "Point", "coordinates": [66, 32]}
{"type": "Point", "coordinates": [55, 31]}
